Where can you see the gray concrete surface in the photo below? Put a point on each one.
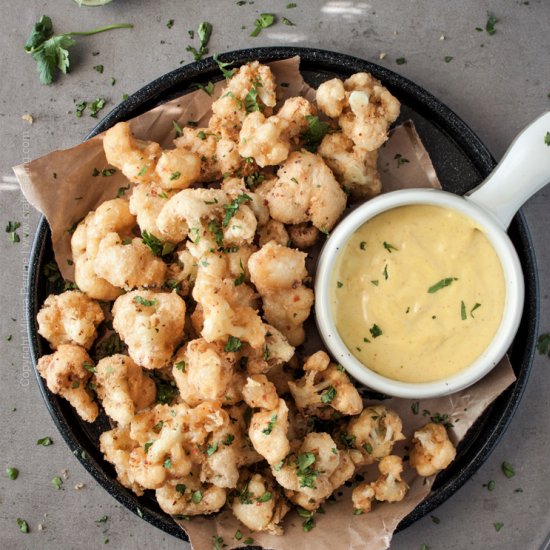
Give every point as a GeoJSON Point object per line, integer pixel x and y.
{"type": "Point", "coordinates": [497, 89]}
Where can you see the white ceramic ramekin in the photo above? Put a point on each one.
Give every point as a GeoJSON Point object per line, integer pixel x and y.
{"type": "Point", "coordinates": [524, 169]}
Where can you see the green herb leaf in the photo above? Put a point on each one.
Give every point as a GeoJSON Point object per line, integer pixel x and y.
{"type": "Point", "coordinates": [304, 461]}
{"type": "Point", "coordinates": [248, 541]}
{"type": "Point", "coordinates": [498, 526]}
{"type": "Point", "coordinates": [508, 470]}
{"type": "Point", "coordinates": [476, 305]}
{"type": "Point", "coordinates": [233, 344]}
{"type": "Point", "coordinates": [491, 485]}
{"type": "Point", "coordinates": [291, 5]}
{"type": "Point", "coordinates": [217, 542]}
{"type": "Point", "coordinates": [448, 58]}
{"type": "Point", "coordinates": [23, 525]}
{"type": "Point", "coordinates": [270, 425]}
{"type": "Point", "coordinates": [385, 272]}
{"type": "Point", "coordinates": [363, 245]}
{"type": "Point", "coordinates": [347, 440]}
{"type": "Point", "coordinates": [211, 449]}
{"type": "Point", "coordinates": [240, 279]}
{"type": "Point", "coordinates": [441, 284]}
{"type": "Point", "coordinates": [288, 22]}
{"type": "Point", "coordinates": [328, 395]}
{"type": "Point", "coordinates": [57, 482]}
{"type": "Point", "coordinates": [238, 534]}
{"type": "Point", "coordinates": [339, 284]}
{"type": "Point", "coordinates": [12, 473]}
{"type": "Point", "coordinates": [308, 525]}
{"type": "Point", "coordinates": [147, 446]}
{"type": "Point", "coordinates": [216, 230]}
{"type": "Point", "coordinates": [89, 367]}
{"type": "Point", "coordinates": [315, 133]}
{"type": "Point", "coordinates": [170, 23]}
{"type": "Point", "coordinates": [196, 497]}
{"type": "Point", "coordinates": [389, 247]}
{"type": "Point", "coordinates": [415, 407]}
{"type": "Point", "coordinates": [158, 247]}
{"type": "Point", "coordinates": [251, 100]}
{"type": "Point", "coordinates": [96, 106]}
{"type": "Point", "coordinates": [143, 302]}
{"type": "Point", "coordinates": [547, 139]}
{"type": "Point", "coordinates": [204, 31]}
{"type": "Point", "coordinates": [357, 512]}
{"type": "Point", "coordinates": [375, 331]}
{"type": "Point", "coordinates": [222, 65]}
{"type": "Point", "coordinates": [180, 488]}
{"type": "Point", "coordinates": [180, 365]}
{"type": "Point", "coordinates": [168, 463]}
{"type": "Point", "coordinates": [228, 439]}
{"type": "Point", "coordinates": [265, 20]}
{"type": "Point", "coordinates": [400, 60]}
{"type": "Point", "coordinates": [463, 315]}
{"type": "Point", "coordinates": [45, 442]}
{"type": "Point", "coordinates": [231, 209]}
{"type": "Point", "coordinates": [490, 25]}
{"type": "Point", "coordinates": [11, 229]}
{"type": "Point", "coordinates": [265, 497]}
{"type": "Point", "coordinates": [208, 89]}
{"type": "Point", "coordinates": [98, 68]}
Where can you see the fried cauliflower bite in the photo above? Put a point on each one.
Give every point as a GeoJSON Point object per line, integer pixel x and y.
{"type": "Point", "coordinates": [389, 487]}
{"type": "Point", "coordinates": [188, 497]}
{"type": "Point", "coordinates": [259, 392]}
{"type": "Point", "coordinates": [135, 158]}
{"type": "Point", "coordinates": [275, 352]}
{"type": "Point", "coordinates": [273, 231]}
{"type": "Point", "coordinates": [278, 272]}
{"type": "Point", "coordinates": [69, 318]}
{"type": "Point", "coordinates": [306, 474]}
{"type": "Point", "coordinates": [432, 450]}
{"type": "Point", "coordinates": [227, 309]}
{"type": "Point", "coordinates": [203, 371]}
{"type": "Point", "coordinates": [295, 111]}
{"type": "Point", "coordinates": [363, 497]}
{"type": "Point", "coordinates": [354, 167]}
{"type": "Point", "coordinates": [66, 375]}
{"type": "Point", "coordinates": [116, 445]}
{"type": "Point", "coordinates": [151, 324]}
{"type": "Point", "coordinates": [373, 434]}
{"type": "Point", "coordinates": [251, 83]}
{"type": "Point", "coordinates": [268, 433]}
{"type": "Point", "coordinates": [128, 265]}
{"type": "Point", "coordinates": [146, 202]}
{"type": "Point", "coordinates": [111, 216]}
{"type": "Point", "coordinates": [264, 139]}
{"type": "Point", "coordinates": [331, 97]}
{"type": "Point", "coordinates": [258, 505]}
{"type": "Point", "coordinates": [182, 274]}
{"type": "Point", "coordinates": [370, 110]}
{"type": "Point", "coordinates": [324, 388]}
{"type": "Point", "coordinates": [178, 168]}
{"type": "Point", "coordinates": [123, 388]}
{"type": "Point", "coordinates": [303, 235]}
{"type": "Point", "coordinates": [306, 190]}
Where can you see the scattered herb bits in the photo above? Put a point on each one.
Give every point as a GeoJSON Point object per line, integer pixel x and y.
{"type": "Point", "coordinates": [12, 473]}
{"type": "Point", "coordinates": [508, 470]}
{"type": "Point", "coordinates": [263, 22]}
{"type": "Point", "coordinates": [23, 525]}
{"type": "Point", "coordinates": [45, 441]}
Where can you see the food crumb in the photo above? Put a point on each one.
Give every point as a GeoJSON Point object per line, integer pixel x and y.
{"type": "Point", "coordinates": [65, 474]}
{"type": "Point", "coordinates": [442, 37]}
{"type": "Point", "coordinates": [40, 527]}
{"type": "Point", "coordinates": [382, 55]}
{"type": "Point", "coordinates": [27, 117]}
{"type": "Point", "coordinates": [79, 486]}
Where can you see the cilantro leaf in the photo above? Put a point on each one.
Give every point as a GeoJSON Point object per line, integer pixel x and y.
{"type": "Point", "coordinates": [222, 65]}
{"type": "Point", "coordinates": [315, 133]}
{"type": "Point", "coordinates": [231, 209]}
{"type": "Point", "coordinates": [265, 20]}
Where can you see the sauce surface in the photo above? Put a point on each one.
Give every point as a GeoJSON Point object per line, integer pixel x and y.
{"type": "Point", "coordinates": [417, 293]}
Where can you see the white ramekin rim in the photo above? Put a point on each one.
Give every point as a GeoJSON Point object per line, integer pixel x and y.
{"type": "Point", "coordinates": [513, 306]}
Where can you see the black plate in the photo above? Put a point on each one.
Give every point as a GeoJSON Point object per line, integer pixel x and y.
{"type": "Point", "coordinates": [461, 161]}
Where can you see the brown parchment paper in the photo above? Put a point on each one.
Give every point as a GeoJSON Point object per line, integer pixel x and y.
{"type": "Point", "coordinates": [62, 187]}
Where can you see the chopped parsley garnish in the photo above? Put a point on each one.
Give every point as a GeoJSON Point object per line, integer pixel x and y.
{"type": "Point", "coordinates": [375, 331]}
{"type": "Point", "coordinates": [240, 279]}
{"type": "Point", "coordinates": [438, 418]}
{"type": "Point", "coordinates": [196, 497]}
{"type": "Point", "coordinates": [233, 344]}
{"type": "Point", "coordinates": [147, 446]}
{"type": "Point", "coordinates": [400, 60]}
{"type": "Point", "coordinates": [12, 473]}
{"type": "Point", "coordinates": [231, 209]}
{"type": "Point", "coordinates": [448, 58]}
{"type": "Point", "coordinates": [96, 106]}
{"type": "Point", "coordinates": [547, 139]}
{"type": "Point", "coordinates": [158, 247]}
{"type": "Point", "coordinates": [415, 407]}
{"type": "Point", "coordinates": [122, 191]}
{"type": "Point", "coordinates": [251, 101]}
{"type": "Point", "coordinates": [23, 525]}
{"type": "Point", "coordinates": [498, 526]}
{"type": "Point", "coordinates": [254, 179]}
{"type": "Point", "coordinates": [158, 426]}
{"type": "Point", "coordinates": [436, 520]}
{"type": "Point", "coordinates": [222, 65]}
{"type": "Point", "coordinates": [238, 534]}
{"type": "Point", "coordinates": [328, 395]}
{"type": "Point", "coordinates": [170, 23]}
{"type": "Point", "coordinates": [51, 51]}
{"type": "Point", "coordinates": [228, 439]}
{"type": "Point", "coordinates": [11, 229]}
{"type": "Point", "coordinates": [270, 425]}
{"type": "Point", "coordinates": [305, 473]}
{"type": "Point", "coordinates": [375, 282]}
{"type": "Point", "coordinates": [357, 512]}
{"type": "Point", "coordinates": [166, 389]}
{"type": "Point", "coordinates": [218, 542]}
{"type": "Point", "coordinates": [57, 482]}
{"type": "Point", "coordinates": [168, 463]}
{"type": "Point", "coordinates": [347, 440]}
{"type": "Point", "coordinates": [368, 447]}
{"type": "Point", "coordinates": [389, 247]}
{"type": "Point", "coordinates": [248, 541]}
{"type": "Point", "coordinates": [265, 20]}
{"type": "Point", "coordinates": [80, 108]}
{"type": "Point", "coordinates": [244, 495]}
{"type": "Point", "coordinates": [180, 488]}
{"type": "Point", "coordinates": [543, 344]}
{"type": "Point", "coordinates": [362, 245]}
{"type": "Point", "coordinates": [291, 5]}
{"type": "Point", "coordinates": [45, 441]}
{"type": "Point", "coordinates": [339, 284]}
{"type": "Point", "coordinates": [180, 365]}
{"type": "Point", "coordinates": [315, 132]}
{"type": "Point", "coordinates": [385, 272]}
{"type": "Point", "coordinates": [177, 128]}
{"type": "Point", "coordinates": [400, 160]}
{"type": "Point", "coordinates": [143, 302]}
{"type": "Point", "coordinates": [215, 229]}
{"type": "Point", "coordinates": [175, 176]}
{"type": "Point", "coordinates": [490, 25]}
{"type": "Point", "coordinates": [463, 314]}
{"type": "Point", "coordinates": [491, 485]}
{"type": "Point", "coordinates": [89, 367]}
{"type": "Point", "coordinates": [204, 31]}
{"type": "Point", "coordinates": [211, 449]}
{"type": "Point", "coordinates": [441, 284]}
{"type": "Point", "coordinates": [288, 22]}
{"type": "Point", "coordinates": [476, 305]}
{"type": "Point", "coordinates": [308, 524]}
{"type": "Point", "coordinates": [98, 68]}
{"type": "Point", "coordinates": [265, 497]}
{"type": "Point", "coordinates": [508, 470]}
{"type": "Point", "coordinates": [208, 89]}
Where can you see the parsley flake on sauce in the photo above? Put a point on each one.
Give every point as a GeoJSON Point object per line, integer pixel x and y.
{"type": "Point", "coordinates": [441, 284]}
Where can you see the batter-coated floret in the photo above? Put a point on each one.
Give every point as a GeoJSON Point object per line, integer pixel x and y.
{"type": "Point", "coordinates": [123, 388]}
{"type": "Point", "coordinates": [128, 264]}
{"type": "Point", "coordinates": [432, 449]}
{"type": "Point", "coordinates": [151, 324]}
{"type": "Point", "coordinates": [67, 372]}
{"type": "Point", "coordinates": [69, 318]}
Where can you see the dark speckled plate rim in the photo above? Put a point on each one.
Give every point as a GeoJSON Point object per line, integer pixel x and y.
{"type": "Point", "coordinates": [161, 89]}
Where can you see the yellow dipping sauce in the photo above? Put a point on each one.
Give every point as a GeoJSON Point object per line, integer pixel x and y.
{"type": "Point", "coordinates": [417, 293]}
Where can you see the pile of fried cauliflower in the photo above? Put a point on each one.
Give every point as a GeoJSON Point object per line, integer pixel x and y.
{"type": "Point", "coordinates": [201, 276]}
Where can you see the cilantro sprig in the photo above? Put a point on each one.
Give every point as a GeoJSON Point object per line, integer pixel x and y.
{"type": "Point", "coordinates": [51, 51]}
